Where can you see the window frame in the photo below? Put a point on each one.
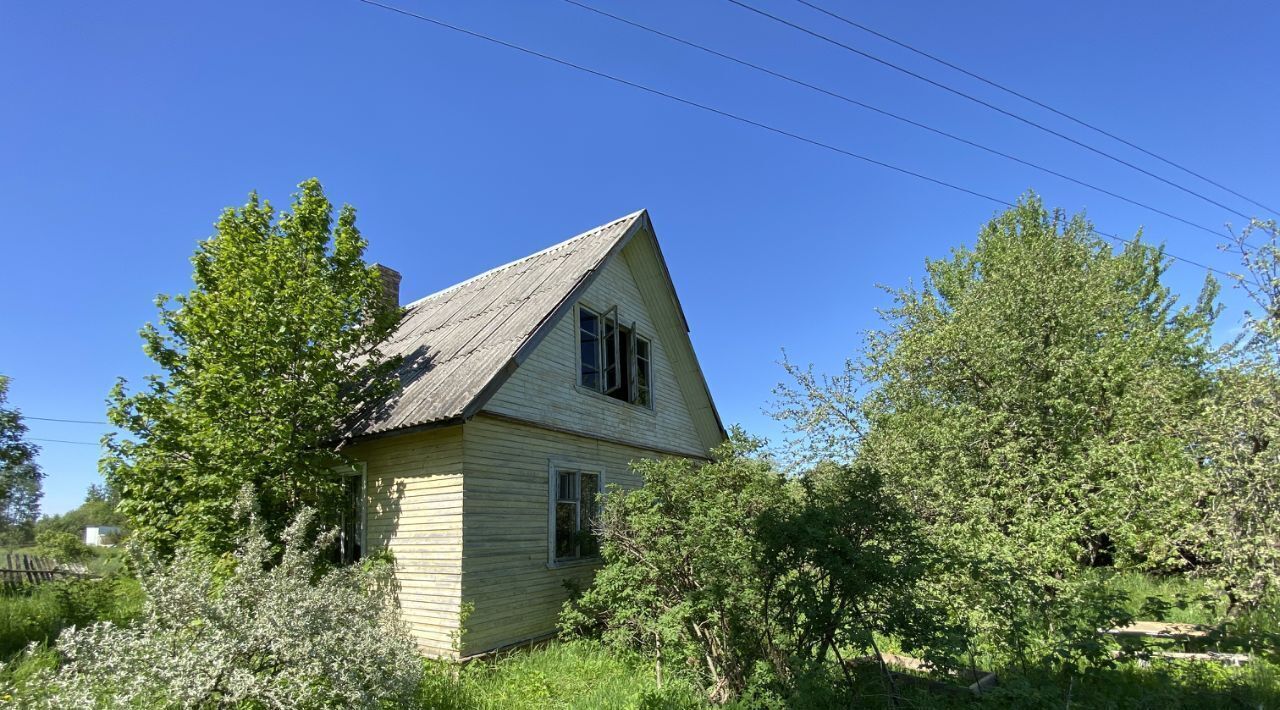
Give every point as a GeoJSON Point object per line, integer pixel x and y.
{"type": "Point", "coordinates": [648, 369]}
{"type": "Point", "coordinates": [579, 331]}
{"type": "Point", "coordinates": [611, 315]}
{"type": "Point", "coordinates": [610, 335]}
{"type": "Point", "coordinates": [361, 469]}
{"type": "Point", "coordinates": [554, 467]}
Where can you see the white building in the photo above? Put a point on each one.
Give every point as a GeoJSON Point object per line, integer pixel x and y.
{"type": "Point", "coordinates": [101, 535]}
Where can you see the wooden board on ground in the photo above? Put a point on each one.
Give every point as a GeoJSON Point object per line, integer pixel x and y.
{"type": "Point", "coordinates": [1226, 659]}
{"type": "Point", "coordinates": [1159, 630]}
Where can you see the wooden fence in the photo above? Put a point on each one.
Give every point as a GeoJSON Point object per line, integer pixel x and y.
{"type": "Point", "coordinates": [22, 569]}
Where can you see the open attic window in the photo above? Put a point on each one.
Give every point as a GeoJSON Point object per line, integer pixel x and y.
{"type": "Point", "coordinates": [612, 358]}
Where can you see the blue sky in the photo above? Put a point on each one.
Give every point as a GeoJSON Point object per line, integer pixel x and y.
{"type": "Point", "coordinates": [127, 127]}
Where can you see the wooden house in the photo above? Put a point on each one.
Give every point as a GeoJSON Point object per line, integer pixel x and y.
{"type": "Point", "coordinates": [526, 391]}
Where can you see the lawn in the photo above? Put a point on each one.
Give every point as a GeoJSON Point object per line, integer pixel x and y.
{"type": "Point", "coordinates": [575, 675]}
{"type": "Point", "coordinates": [37, 613]}
{"type": "Point", "coordinates": [583, 674]}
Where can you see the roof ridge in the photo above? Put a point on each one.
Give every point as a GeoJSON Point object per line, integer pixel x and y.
{"type": "Point", "coordinates": [474, 332]}
{"type": "Point", "coordinates": [515, 262]}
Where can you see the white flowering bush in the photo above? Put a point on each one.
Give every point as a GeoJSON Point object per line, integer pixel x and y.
{"type": "Point", "coordinates": [264, 634]}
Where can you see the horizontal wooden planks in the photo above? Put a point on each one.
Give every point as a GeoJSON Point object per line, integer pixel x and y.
{"type": "Point", "coordinates": [544, 388]}
{"type": "Point", "coordinates": [415, 510]}
{"type": "Point", "coordinates": [506, 576]}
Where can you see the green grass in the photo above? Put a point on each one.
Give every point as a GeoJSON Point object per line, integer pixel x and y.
{"type": "Point", "coordinates": [583, 674]}
{"type": "Point", "coordinates": [564, 676]}
{"type": "Point", "coordinates": [37, 613]}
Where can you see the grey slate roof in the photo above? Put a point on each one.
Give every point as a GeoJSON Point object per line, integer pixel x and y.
{"type": "Point", "coordinates": [458, 344]}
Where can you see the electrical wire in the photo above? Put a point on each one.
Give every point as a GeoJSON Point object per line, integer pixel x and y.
{"type": "Point", "coordinates": [65, 441]}
{"type": "Point", "coordinates": [895, 116]}
{"type": "Point", "coordinates": [981, 102]}
{"type": "Point", "coordinates": [726, 114]}
{"type": "Point", "coordinates": [65, 421]}
{"type": "Point", "coordinates": [1037, 102]}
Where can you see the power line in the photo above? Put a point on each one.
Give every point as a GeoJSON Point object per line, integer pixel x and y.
{"type": "Point", "coordinates": [732, 116]}
{"type": "Point", "coordinates": [987, 104]}
{"type": "Point", "coordinates": [64, 441]}
{"type": "Point", "coordinates": [890, 114]}
{"type": "Point", "coordinates": [65, 421]}
{"type": "Point", "coordinates": [1037, 102]}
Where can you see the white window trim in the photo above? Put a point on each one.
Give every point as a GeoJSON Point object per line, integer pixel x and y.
{"type": "Point", "coordinates": [554, 465]}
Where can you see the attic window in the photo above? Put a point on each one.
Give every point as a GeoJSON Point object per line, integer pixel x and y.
{"type": "Point", "coordinates": [612, 359]}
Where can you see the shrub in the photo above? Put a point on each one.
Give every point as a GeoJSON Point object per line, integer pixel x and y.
{"type": "Point", "coordinates": [750, 580]}
{"type": "Point", "coordinates": [62, 546]}
{"type": "Point", "coordinates": [680, 581]}
{"type": "Point", "coordinates": [252, 633]}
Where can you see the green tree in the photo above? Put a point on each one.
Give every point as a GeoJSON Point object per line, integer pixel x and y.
{"type": "Point", "coordinates": [62, 546]}
{"type": "Point", "coordinates": [1030, 402]}
{"type": "Point", "coordinates": [1239, 436]}
{"type": "Point", "coordinates": [20, 477]}
{"type": "Point", "coordinates": [100, 507]}
{"type": "Point", "coordinates": [748, 578]}
{"type": "Point", "coordinates": [274, 347]}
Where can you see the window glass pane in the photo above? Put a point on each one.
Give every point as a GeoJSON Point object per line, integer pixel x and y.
{"type": "Point", "coordinates": [589, 322]}
{"type": "Point", "coordinates": [590, 487]}
{"type": "Point", "coordinates": [617, 372]}
{"type": "Point", "coordinates": [611, 338]}
{"type": "Point", "coordinates": [590, 493]}
{"type": "Point", "coordinates": [589, 350]}
{"type": "Point", "coordinates": [568, 490]}
{"type": "Point", "coordinates": [566, 529]}
{"type": "Point", "coordinates": [351, 520]}
{"type": "Point", "coordinates": [590, 369]}
{"type": "Point", "coordinates": [643, 372]}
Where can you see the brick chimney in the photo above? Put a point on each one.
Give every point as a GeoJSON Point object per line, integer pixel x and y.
{"type": "Point", "coordinates": [390, 285]}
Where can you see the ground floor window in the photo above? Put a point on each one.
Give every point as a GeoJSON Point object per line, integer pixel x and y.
{"type": "Point", "coordinates": [352, 515]}
{"type": "Point", "coordinates": [575, 500]}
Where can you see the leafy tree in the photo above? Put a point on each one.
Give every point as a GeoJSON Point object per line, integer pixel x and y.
{"type": "Point", "coordinates": [1030, 403]}
{"type": "Point", "coordinates": [100, 507]}
{"type": "Point", "coordinates": [276, 344]}
{"type": "Point", "coordinates": [20, 477]}
{"type": "Point", "coordinates": [1240, 435]}
{"type": "Point", "coordinates": [754, 580]}
{"type": "Point", "coordinates": [681, 561]}
{"type": "Point", "coordinates": [62, 546]}
{"type": "Point", "coordinates": [843, 562]}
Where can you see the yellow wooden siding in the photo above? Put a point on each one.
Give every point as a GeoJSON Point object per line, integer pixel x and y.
{"type": "Point", "coordinates": [505, 575]}
{"type": "Point", "coordinates": [415, 509]}
{"type": "Point", "coordinates": [544, 388]}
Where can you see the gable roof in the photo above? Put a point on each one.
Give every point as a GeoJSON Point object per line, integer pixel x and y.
{"type": "Point", "coordinates": [460, 344]}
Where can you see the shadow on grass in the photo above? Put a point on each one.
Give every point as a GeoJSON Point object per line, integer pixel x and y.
{"type": "Point", "coordinates": [1163, 685]}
